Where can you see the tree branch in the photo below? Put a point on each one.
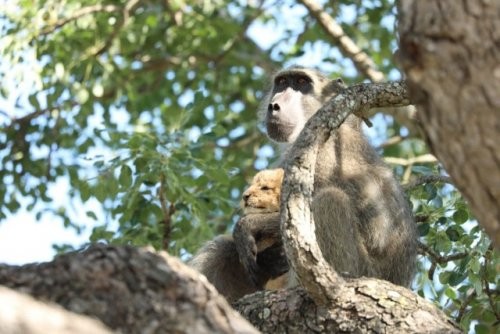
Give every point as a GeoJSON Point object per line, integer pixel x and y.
{"type": "Point", "coordinates": [167, 210]}
{"type": "Point", "coordinates": [366, 306]}
{"type": "Point", "coordinates": [320, 280]}
{"type": "Point", "coordinates": [437, 258]}
{"type": "Point", "coordinates": [80, 13]}
{"type": "Point", "coordinates": [448, 61]}
{"type": "Point", "coordinates": [130, 290]}
{"type": "Point", "coordinates": [426, 179]}
{"type": "Point", "coordinates": [20, 313]}
{"type": "Point", "coordinates": [348, 48]}
{"type": "Point", "coordinates": [425, 158]}
{"type": "Point", "coordinates": [127, 9]}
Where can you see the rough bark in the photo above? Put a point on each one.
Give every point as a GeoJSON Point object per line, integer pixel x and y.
{"type": "Point", "coordinates": [21, 314]}
{"type": "Point", "coordinates": [450, 51]}
{"type": "Point", "coordinates": [130, 290]}
{"type": "Point", "coordinates": [364, 306]}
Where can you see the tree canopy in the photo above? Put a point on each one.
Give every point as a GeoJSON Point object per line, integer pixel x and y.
{"type": "Point", "coordinates": [151, 110]}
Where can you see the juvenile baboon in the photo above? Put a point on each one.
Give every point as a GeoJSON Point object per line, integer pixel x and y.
{"type": "Point", "coordinates": [258, 233]}
{"type": "Point", "coordinates": [364, 226]}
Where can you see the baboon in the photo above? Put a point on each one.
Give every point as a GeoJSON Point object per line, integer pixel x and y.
{"type": "Point", "coordinates": [364, 225]}
{"type": "Point", "coordinates": [258, 233]}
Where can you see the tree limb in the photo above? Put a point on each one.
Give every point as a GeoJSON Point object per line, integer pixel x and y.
{"type": "Point", "coordinates": [363, 63]}
{"type": "Point", "coordinates": [366, 306]}
{"type": "Point", "coordinates": [20, 313]}
{"type": "Point", "coordinates": [299, 176]}
{"type": "Point", "coordinates": [426, 179]}
{"type": "Point", "coordinates": [78, 14]}
{"type": "Point", "coordinates": [130, 290]}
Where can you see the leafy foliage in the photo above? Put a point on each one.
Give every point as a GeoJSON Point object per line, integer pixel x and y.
{"type": "Point", "coordinates": [150, 109]}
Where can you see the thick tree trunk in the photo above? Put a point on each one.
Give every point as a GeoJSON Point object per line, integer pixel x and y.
{"type": "Point", "coordinates": [450, 52]}
{"type": "Point", "coordinates": [130, 290]}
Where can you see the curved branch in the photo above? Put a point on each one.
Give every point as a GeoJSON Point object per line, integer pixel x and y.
{"type": "Point", "coordinates": [320, 280]}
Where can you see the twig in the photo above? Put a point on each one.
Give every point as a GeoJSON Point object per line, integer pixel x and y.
{"type": "Point", "coordinates": [420, 218]}
{"type": "Point", "coordinates": [466, 303]}
{"type": "Point", "coordinates": [79, 13]}
{"type": "Point", "coordinates": [348, 48]}
{"type": "Point", "coordinates": [426, 179]}
{"type": "Point", "coordinates": [392, 141]}
{"type": "Point", "coordinates": [425, 158]}
{"type": "Point", "coordinates": [168, 211]}
{"type": "Point", "coordinates": [489, 293]}
{"type": "Point", "coordinates": [440, 258]}
{"type": "Point", "coordinates": [437, 258]}
{"type": "Point", "coordinates": [27, 118]}
{"type": "Point", "coordinates": [127, 9]}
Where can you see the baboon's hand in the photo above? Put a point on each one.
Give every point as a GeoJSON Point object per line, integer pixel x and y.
{"type": "Point", "coordinates": [246, 246]}
{"type": "Point", "coordinates": [255, 237]}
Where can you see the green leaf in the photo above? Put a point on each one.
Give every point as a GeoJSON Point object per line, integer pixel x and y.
{"type": "Point", "coordinates": [453, 233]}
{"type": "Point", "coordinates": [85, 191]}
{"type": "Point", "coordinates": [125, 178]}
{"type": "Point", "coordinates": [422, 170]}
{"type": "Point", "coordinates": [456, 278]}
{"type": "Point", "coordinates": [444, 277]}
{"type": "Point", "coordinates": [460, 216]}
{"type": "Point", "coordinates": [82, 95]}
{"type": "Point", "coordinates": [482, 329]}
{"type": "Point", "coordinates": [423, 229]}
{"type": "Point", "coordinates": [443, 243]}
{"type": "Point", "coordinates": [442, 221]}
{"type": "Point", "coordinates": [450, 293]}
{"type": "Point", "coordinates": [91, 214]}
{"type": "Point", "coordinates": [431, 191]}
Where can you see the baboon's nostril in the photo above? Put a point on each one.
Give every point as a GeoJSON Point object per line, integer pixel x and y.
{"type": "Point", "coordinates": [273, 107]}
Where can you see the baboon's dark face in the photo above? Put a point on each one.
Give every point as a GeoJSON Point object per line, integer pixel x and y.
{"type": "Point", "coordinates": [295, 97]}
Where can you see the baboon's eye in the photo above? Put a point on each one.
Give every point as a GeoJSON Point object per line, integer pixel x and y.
{"type": "Point", "coordinates": [265, 188]}
{"type": "Point", "coordinates": [281, 81]}
{"type": "Point", "coordinates": [302, 81]}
